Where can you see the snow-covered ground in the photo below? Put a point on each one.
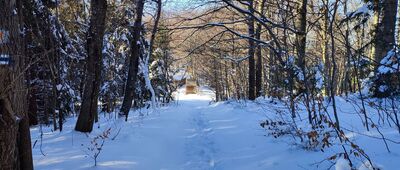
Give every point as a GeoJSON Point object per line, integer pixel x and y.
{"type": "Point", "coordinates": [192, 133]}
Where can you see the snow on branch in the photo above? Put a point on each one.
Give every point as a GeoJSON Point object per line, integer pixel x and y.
{"type": "Point", "coordinates": [389, 64]}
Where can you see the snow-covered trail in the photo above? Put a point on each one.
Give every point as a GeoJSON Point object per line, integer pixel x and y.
{"type": "Point", "coordinates": [173, 138]}
{"type": "Point", "coordinates": [192, 134]}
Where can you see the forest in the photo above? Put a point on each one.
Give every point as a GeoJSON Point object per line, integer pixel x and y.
{"type": "Point", "coordinates": [199, 84]}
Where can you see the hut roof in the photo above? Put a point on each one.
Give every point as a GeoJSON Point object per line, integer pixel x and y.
{"type": "Point", "coordinates": [182, 74]}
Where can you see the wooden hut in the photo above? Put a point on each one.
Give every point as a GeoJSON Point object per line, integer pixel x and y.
{"type": "Point", "coordinates": [191, 86]}
{"type": "Point", "coordinates": [184, 77]}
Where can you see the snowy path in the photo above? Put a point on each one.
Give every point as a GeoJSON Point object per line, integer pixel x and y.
{"type": "Point", "coordinates": [199, 144]}
{"type": "Point", "coordinates": [190, 135]}
{"type": "Point", "coordinates": [185, 136]}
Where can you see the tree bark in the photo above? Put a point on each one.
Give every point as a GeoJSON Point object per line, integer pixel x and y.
{"type": "Point", "coordinates": [15, 141]}
{"type": "Point", "coordinates": [133, 60]}
{"type": "Point", "coordinates": [347, 63]}
{"type": "Point", "coordinates": [398, 22]}
{"type": "Point", "coordinates": [150, 53]}
{"type": "Point", "coordinates": [251, 51]}
{"type": "Point", "coordinates": [88, 112]}
{"type": "Point", "coordinates": [385, 32]}
{"type": "Point", "coordinates": [325, 47]}
{"type": "Point", "coordinates": [259, 64]}
{"type": "Point", "coordinates": [301, 40]}
{"type": "Point", "coordinates": [384, 42]}
{"type": "Point", "coordinates": [301, 25]}
{"type": "Point", "coordinates": [334, 66]}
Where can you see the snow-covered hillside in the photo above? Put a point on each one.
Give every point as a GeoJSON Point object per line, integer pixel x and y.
{"type": "Point", "coordinates": [192, 133]}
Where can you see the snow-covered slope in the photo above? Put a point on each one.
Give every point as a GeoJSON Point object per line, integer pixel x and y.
{"type": "Point", "coordinates": [192, 133]}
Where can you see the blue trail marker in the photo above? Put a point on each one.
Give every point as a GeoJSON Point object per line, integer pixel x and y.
{"type": "Point", "coordinates": [5, 59]}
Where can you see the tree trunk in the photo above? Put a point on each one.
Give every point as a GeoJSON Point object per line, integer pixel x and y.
{"type": "Point", "coordinates": [88, 111]}
{"type": "Point", "coordinates": [15, 141]}
{"type": "Point", "coordinates": [324, 46]}
{"type": "Point", "coordinates": [385, 32]}
{"type": "Point", "coordinates": [398, 22]}
{"type": "Point", "coordinates": [347, 63]}
{"type": "Point", "coordinates": [384, 42]}
{"type": "Point", "coordinates": [259, 65]}
{"type": "Point", "coordinates": [301, 40]}
{"type": "Point", "coordinates": [334, 66]}
{"type": "Point", "coordinates": [251, 52]}
{"type": "Point", "coordinates": [301, 25]}
{"type": "Point", "coordinates": [133, 60]}
{"type": "Point", "coordinates": [146, 71]}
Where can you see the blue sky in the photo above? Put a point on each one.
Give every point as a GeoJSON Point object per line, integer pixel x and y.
{"type": "Point", "coordinates": [178, 4]}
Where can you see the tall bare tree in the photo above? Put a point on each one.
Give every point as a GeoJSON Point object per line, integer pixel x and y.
{"type": "Point", "coordinates": [301, 40]}
{"type": "Point", "coordinates": [259, 64]}
{"type": "Point", "coordinates": [133, 60]}
{"type": "Point", "coordinates": [251, 52]}
{"type": "Point", "coordinates": [150, 53]}
{"type": "Point", "coordinates": [89, 107]}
